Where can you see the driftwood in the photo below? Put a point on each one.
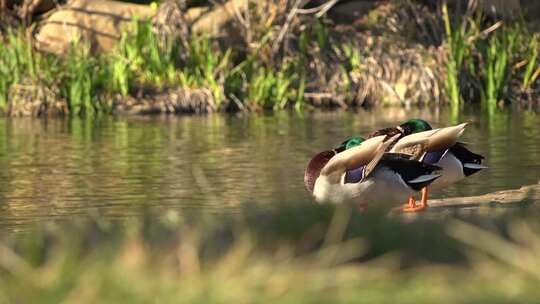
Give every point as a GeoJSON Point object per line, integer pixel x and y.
{"type": "Point", "coordinates": [481, 204]}
{"type": "Point", "coordinates": [505, 198]}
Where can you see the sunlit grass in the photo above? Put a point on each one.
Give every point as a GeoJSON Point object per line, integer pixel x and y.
{"type": "Point", "coordinates": [532, 68]}
{"type": "Point", "coordinates": [19, 64]}
{"type": "Point", "coordinates": [269, 89]}
{"type": "Point", "coordinates": [81, 81]}
{"type": "Point", "coordinates": [207, 67]}
{"type": "Point", "coordinates": [456, 52]}
{"type": "Point", "coordinates": [141, 61]}
{"type": "Point", "coordinates": [488, 62]}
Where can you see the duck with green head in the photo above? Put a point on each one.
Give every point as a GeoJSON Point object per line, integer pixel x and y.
{"type": "Point", "coordinates": [439, 147]}
{"type": "Point", "coordinates": [360, 172]}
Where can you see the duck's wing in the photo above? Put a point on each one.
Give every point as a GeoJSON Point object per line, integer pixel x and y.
{"type": "Point", "coordinates": [379, 154]}
{"type": "Point", "coordinates": [418, 143]}
{"type": "Point", "coordinates": [445, 138]}
{"type": "Point", "coordinates": [367, 154]}
{"type": "Point", "coordinates": [414, 149]}
{"type": "Point", "coordinates": [414, 173]}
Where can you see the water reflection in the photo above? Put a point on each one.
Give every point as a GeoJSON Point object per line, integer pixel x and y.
{"type": "Point", "coordinates": [117, 166]}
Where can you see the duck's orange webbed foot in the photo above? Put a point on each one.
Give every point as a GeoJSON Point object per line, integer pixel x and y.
{"type": "Point", "coordinates": [412, 207]}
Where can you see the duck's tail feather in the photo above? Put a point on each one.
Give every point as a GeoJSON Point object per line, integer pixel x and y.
{"type": "Point", "coordinates": [422, 181]}
{"type": "Point", "coordinates": [470, 169]}
{"type": "Point", "coordinates": [472, 162]}
{"type": "Point", "coordinates": [414, 173]}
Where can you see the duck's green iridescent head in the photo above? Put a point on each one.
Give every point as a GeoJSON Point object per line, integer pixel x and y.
{"type": "Point", "coordinates": [414, 126]}
{"type": "Point", "coordinates": [351, 142]}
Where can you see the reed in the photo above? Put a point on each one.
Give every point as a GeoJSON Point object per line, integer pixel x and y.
{"type": "Point", "coordinates": [498, 59]}
{"type": "Point", "coordinates": [21, 64]}
{"type": "Point", "coordinates": [80, 82]}
{"type": "Point", "coordinates": [491, 63]}
{"type": "Point", "coordinates": [532, 67]}
{"type": "Point", "coordinates": [457, 50]}
{"type": "Point", "coordinates": [207, 66]}
{"type": "Point", "coordinates": [142, 61]}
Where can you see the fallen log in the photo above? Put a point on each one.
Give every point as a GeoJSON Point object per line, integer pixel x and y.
{"type": "Point", "coordinates": [504, 198]}
{"type": "Point", "coordinates": [212, 21]}
{"type": "Point", "coordinates": [481, 204]}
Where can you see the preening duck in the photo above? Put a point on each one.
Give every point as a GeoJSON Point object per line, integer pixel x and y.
{"type": "Point", "coordinates": [439, 147]}
{"type": "Point", "coordinates": [360, 172]}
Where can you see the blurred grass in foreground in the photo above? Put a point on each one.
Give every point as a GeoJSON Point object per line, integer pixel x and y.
{"type": "Point", "coordinates": [305, 254]}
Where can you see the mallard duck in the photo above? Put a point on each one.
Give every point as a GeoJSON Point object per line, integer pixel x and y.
{"type": "Point", "coordinates": [456, 161]}
{"type": "Point", "coordinates": [359, 172]}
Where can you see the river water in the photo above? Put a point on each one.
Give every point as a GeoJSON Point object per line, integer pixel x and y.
{"type": "Point", "coordinates": [118, 167]}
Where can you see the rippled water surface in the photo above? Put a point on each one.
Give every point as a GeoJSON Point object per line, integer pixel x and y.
{"type": "Point", "coordinates": [116, 167]}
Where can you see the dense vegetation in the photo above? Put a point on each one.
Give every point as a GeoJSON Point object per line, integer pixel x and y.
{"type": "Point", "coordinates": [492, 64]}
{"type": "Point", "coordinates": [487, 62]}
